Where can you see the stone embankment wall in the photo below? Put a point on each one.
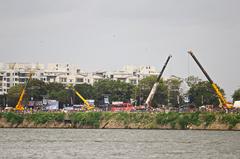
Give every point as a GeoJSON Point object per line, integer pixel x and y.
{"type": "Point", "coordinates": [122, 120]}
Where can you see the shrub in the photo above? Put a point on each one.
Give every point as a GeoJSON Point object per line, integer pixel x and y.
{"type": "Point", "coordinates": [122, 116]}
{"type": "Point", "coordinates": [208, 118]}
{"type": "Point", "coordinates": [167, 118]}
{"type": "Point", "coordinates": [194, 118]}
{"type": "Point", "coordinates": [183, 121]}
{"type": "Point", "coordinates": [231, 119]}
{"type": "Point", "coordinates": [86, 118]}
{"type": "Point", "coordinates": [44, 117]}
{"type": "Point", "coordinates": [13, 118]}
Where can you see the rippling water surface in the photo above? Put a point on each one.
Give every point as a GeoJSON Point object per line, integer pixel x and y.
{"type": "Point", "coordinates": [118, 143]}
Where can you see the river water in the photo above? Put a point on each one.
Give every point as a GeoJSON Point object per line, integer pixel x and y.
{"type": "Point", "coordinates": [118, 144]}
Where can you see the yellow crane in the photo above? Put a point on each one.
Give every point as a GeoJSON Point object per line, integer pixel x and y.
{"type": "Point", "coordinates": [221, 98]}
{"type": "Point", "coordinates": [19, 105]}
{"type": "Point", "coordinates": [87, 105]}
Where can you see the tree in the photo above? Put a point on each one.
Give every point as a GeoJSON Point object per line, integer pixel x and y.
{"type": "Point", "coordinates": [236, 95]}
{"type": "Point", "coordinates": [35, 90]}
{"type": "Point", "coordinates": [192, 80]}
{"type": "Point", "coordinates": [13, 95]}
{"type": "Point", "coordinates": [57, 91]}
{"type": "Point", "coordinates": [117, 90]}
{"type": "Point", "coordinates": [144, 87]}
{"type": "Point", "coordinates": [202, 93]}
{"type": "Point", "coordinates": [174, 96]}
{"type": "Point", "coordinates": [86, 90]}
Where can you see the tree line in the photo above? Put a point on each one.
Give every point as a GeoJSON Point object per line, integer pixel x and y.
{"type": "Point", "coordinates": [169, 92]}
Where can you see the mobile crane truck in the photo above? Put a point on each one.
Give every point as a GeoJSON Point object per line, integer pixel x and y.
{"type": "Point", "coordinates": [19, 105]}
{"type": "Point", "coordinates": [154, 88]}
{"type": "Point", "coordinates": [221, 98]}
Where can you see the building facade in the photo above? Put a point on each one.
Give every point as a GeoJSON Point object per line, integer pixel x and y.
{"type": "Point", "coordinates": [12, 74]}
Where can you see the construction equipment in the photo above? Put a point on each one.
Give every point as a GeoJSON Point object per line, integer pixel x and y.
{"type": "Point", "coordinates": [222, 100]}
{"type": "Point", "coordinates": [19, 105]}
{"type": "Point", "coordinates": [87, 105]}
{"type": "Point", "coordinates": [154, 88]}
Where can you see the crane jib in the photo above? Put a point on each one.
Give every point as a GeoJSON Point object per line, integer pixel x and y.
{"type": "Point", "coordinates": [200, 66]}
{"type": "Point", "coordinates": [160, 75]}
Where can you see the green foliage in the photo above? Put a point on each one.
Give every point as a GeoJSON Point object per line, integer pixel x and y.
{"type": "Point", "coordinates": [118, 91]}
{"type": "Point", "coordinates": [44, 117]}
{"type": "Point", "coordinates": [167, 118]}
{"type": "Point", "coordinates": [208, 118]}
{"type": "Point", "coordinates": [35, 89]}
{"type": "Point", "coordinates": [144, 87]}
{"type": "Point", "coordinates": [236, 95]}
{"type": "Point", "coordinates": [107, 115]}
{"type": "Point", "coordinates": [203, 90]}
{"type": "Point", "coordinates": [194, 118]}
{"type": "Point", "coordinates": [13, 118]}
{"type": "Point", "coordinates": [86, 90]}
{"type": "Point", "coordinates": [86, 119]}
{"type": "Point", "coordinates": [122, 117]}
{"type": "Point", "coordinates": [231, 119]}
{"type": "Point", "coordinates": [192, 80]}
{"type": "Point", "coordinates": [174, 91]}
{"type": "Point", "coordinates": [183, 121]}
{"type": "Point", "coordinates": [13, 94]}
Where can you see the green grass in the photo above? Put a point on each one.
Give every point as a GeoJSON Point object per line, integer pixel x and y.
{"type": "Point", "coordinates": [44, 117]}
{"type": "Point", "coordinates": [142, 119]}
{"type": "Point", "coordinates": [208, 118]}
{"type": "Point", "coordinates": [13, 118]}
{"type": "Point", "coordinates": [231, 119]}
{"type": "Point", "coordinates": [86, 119]}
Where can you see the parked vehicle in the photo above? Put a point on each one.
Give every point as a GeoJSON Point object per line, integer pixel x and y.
{"type": "Point", "coordinates": [120, 106]}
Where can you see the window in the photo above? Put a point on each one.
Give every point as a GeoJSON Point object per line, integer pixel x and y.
{"type": "Point", "coordinates": [63, 79]}
{"type": "Point", "coordinates": [8, 79]}
{"type": "Point", "coordinates": [8, 85]}
{"type": "Point", "coordinates": [8, 74]}
{"type": "Point", "coordinates": [79, 79]}
{"type": "Point", "coordinates": [133, 82]}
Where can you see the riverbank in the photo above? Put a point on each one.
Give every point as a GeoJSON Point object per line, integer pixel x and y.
{"type": "Point", "coordinates": [122, 120]}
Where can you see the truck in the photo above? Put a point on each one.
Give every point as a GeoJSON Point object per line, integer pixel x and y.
{"type": "Point", "coordinates": [19, 105]}
{"type": "Point", "coordinates": [87, 106]}
{"type": "Point", "coordinates": [154, 88]}
{"type": "Point", "coordinates": [221, 98]}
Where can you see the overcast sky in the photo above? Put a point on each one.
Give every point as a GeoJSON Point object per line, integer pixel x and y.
{"type": "Point", "coordinates": [107, 34]}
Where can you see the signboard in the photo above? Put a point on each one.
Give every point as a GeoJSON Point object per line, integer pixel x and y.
{"type": "Point", "coordinates": [52, 105]}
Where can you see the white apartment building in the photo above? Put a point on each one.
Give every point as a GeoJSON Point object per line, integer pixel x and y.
{"type": "Point", "coordinates": [12, 74]}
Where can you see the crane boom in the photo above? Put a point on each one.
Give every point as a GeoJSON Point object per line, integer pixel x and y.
{"type": "Point", "coordinates": [154, 88]}
{"type": "Point", "coordinates": [215, 88]}
{"type": "Point", "coordinates": [88, 106]}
